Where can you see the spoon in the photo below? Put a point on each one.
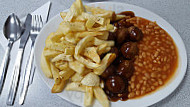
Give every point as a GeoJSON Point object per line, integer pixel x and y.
{"type": "Point", "coordinates": [12, 30]}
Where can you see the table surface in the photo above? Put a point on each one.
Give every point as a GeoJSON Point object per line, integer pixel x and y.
{"type": "Point", "coordinates": [176, 12]}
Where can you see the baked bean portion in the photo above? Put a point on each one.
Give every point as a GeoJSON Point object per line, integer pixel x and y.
{"type": "Point", "coordinates": [157, 60]}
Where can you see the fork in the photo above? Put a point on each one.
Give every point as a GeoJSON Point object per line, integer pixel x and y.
{"type": "Point", "coordinates": [35, 29]}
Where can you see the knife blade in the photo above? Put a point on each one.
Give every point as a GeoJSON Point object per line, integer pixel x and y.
{"type": "Point", "coordinates": [16, 73]}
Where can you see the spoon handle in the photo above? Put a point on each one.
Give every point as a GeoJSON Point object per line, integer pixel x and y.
{"type": "Point", "coordinates": [4, 63]}
{"type": "Point", "coordinates": [15, 78]}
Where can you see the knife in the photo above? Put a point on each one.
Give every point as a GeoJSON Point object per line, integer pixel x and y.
{"type": "Point", "coordinates": [15, 78]}
{"type": "Point", "coordinates": [28, 70]}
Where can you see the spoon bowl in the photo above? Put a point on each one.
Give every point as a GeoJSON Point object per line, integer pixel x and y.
{"type": "Point", "coordinates": [12, 31]}
{"type": "Point", "coordinates": [12, 28]}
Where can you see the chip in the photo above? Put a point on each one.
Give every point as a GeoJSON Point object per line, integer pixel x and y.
{"type": "Point", "coordinates": [57, 88]}
{"type": "Point", "coordinates": [91, 79]}
{"type": "Point", "coordinates": [106, 61]}
{"type": "Point", "coordinates": [101, 96]}
{"type": "Point", "coordinates": [82, 44]}
{"type": "Point", "coordinates": [100, 42]}
{"type": "Point", "coordinates": [77, 66]}
{"type": "Point", "coordinates": [88, 96]}
{"type": "Point", "coordinates": [55, 73]}
{"type": "Point", "coordinates": [75, 86]}
{"type": "Point", "coordinates": [62, 57]}
{"type": "Point", "coordinates": [76, 77]}
{"type": "Point", "coordinates": [92, 54]}
{"type": "Point", "coordinates": [66, 73]}
{"type": "Point", "coordinates": [88, 63]}
{"type": "Point", "coordinates": [73, 51]}
{"type": "Point", "coordinates": [48, 53]}
{"type": "Point", "coordinates": [45, 65]}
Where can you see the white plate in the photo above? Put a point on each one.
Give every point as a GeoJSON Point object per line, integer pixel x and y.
{"type": "Point", "coordinates": [77, 97]}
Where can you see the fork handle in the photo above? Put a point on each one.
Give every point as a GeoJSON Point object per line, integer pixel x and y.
{"type": "Point", "coordinates": [15, 79]}
{"type": "Point", "coordinates": [4, 65]}
{"type": "Point", "coordinates": [26, 77]}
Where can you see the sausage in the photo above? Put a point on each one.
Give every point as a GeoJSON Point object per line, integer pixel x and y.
{"type": "Point", "coordinates": [114, 50]}
{"type": "Point", "coordinates": [125, 69]}
{"type": "Point", "coordinates": [123, 23]}
{"type": "Point", "coordinates": [135, 34]}
{"type": "Point", "coordinates": [115, 84]}
{"type": "Point", "coordinates": [109, 71]}
{"type": "Point", "coordinates": [122, 35]}
{"type": "Point", "coordinates": [127, 13]}
{"type": "Point", "coordinates": [129, 50]}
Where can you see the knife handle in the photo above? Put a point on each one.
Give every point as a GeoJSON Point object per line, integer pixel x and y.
{"type": "Point", "coordinates": [15, 78]}
{"type": "Point", "coordinates": [4, 66]}
{"type": "Point", "coordinates": [26, 77]}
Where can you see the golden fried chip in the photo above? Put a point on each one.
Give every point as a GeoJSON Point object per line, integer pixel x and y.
{"type": "Point", "coordinates": [108, 27]}
{"type": "Point", "coordinates": [62, 57]}
{"type": "Point", "coordinates": [79, 6]}
{"type": "Point", "coordinates": [69, 51]}
{"type": "Point", "coordinates": [57, 88]}
{"type": "Point", "coordinates": [77, 66]}
{"type": "Point", "coordinates": [63, 15]}
{"type": "Point", "coordinates": [91, 53]}
{"type": "Point", "coordinates": [45, 65]}
{"type": "Point", "coordinates": [86, 62]}
{"type": "Point", "coordinates": [104, 36]}
{"type": "Point", "coordinates": [48, 53]}
{"type": "Point", "coordinates": [84, 34]}
{"type": "Point", "coordinates": [102, 84]}
{"type": "Point", "coordinates": [93, 18]}
{"type": "Point", "coordinates": [107, 49]}
{"type": "Point", "coordinates": [61, 65]}
{"type": "Point", "coordinates": [72, 26]}
{"type": "Point", "coordinates": [100, 42]}
{"type": "Point", "coordinates": [91, 79]}
{"type": "Point", "coordinates": [101, 96]}
{"type": "Point", "coordinates": [66, 73]}
{"type": "Point", "coordinates": [107, 60]}
{"type": "Point", "coordinates": [90, 23]}
{"type": "Point", "coordinates": [58, 63]}
{"type": "Point", "coordinates": [75, 86]}
{"type": "Point", "coordinates": [56, 37]}
{"type": "Point", "coordinates": [88, 96]}
{"type": "Point", "coordinates": [58, 46]}
{"type": "Point", "coordinates": [76, 77]}
{"type": "Point", "coordinates": [70, 37]}
{"type": "Point", "coordinates": [48, 39]}
{"type": "Point", "coordinates": [101, 48]}
{"type": "Point", "coordinates": [100, 12]}
{"type": "Point", "coordinates": [82, 44]}
{"type": "Point", "coordinates": [119, 17]}
{"type": "Point", "coordinates": [55, 73]}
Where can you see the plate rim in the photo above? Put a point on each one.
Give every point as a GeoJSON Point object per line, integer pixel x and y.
{"type": "Point", "coordinates": [144, 9]}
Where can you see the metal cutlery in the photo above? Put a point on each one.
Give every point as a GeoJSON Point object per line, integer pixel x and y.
{"type": "Point", "coordinates": [35, 29]}
{"type": "Point", "coordinates": [44, 12]}
{"type": "Point", "coordinates": [16, 73]}
{"type": "Point", "coordinates": [12, 31]}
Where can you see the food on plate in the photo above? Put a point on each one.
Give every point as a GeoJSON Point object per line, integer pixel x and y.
{"type": "Point", "coordinates": [73, 54]}
{"type": "Point", "coordinates": [157, 60]}
{"type": "Point", "coordinates": [108, 56]}
{"type": "Point", "coordinates": [146, 58]}
{"type": "Point", "coordinates": [88, 98]}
